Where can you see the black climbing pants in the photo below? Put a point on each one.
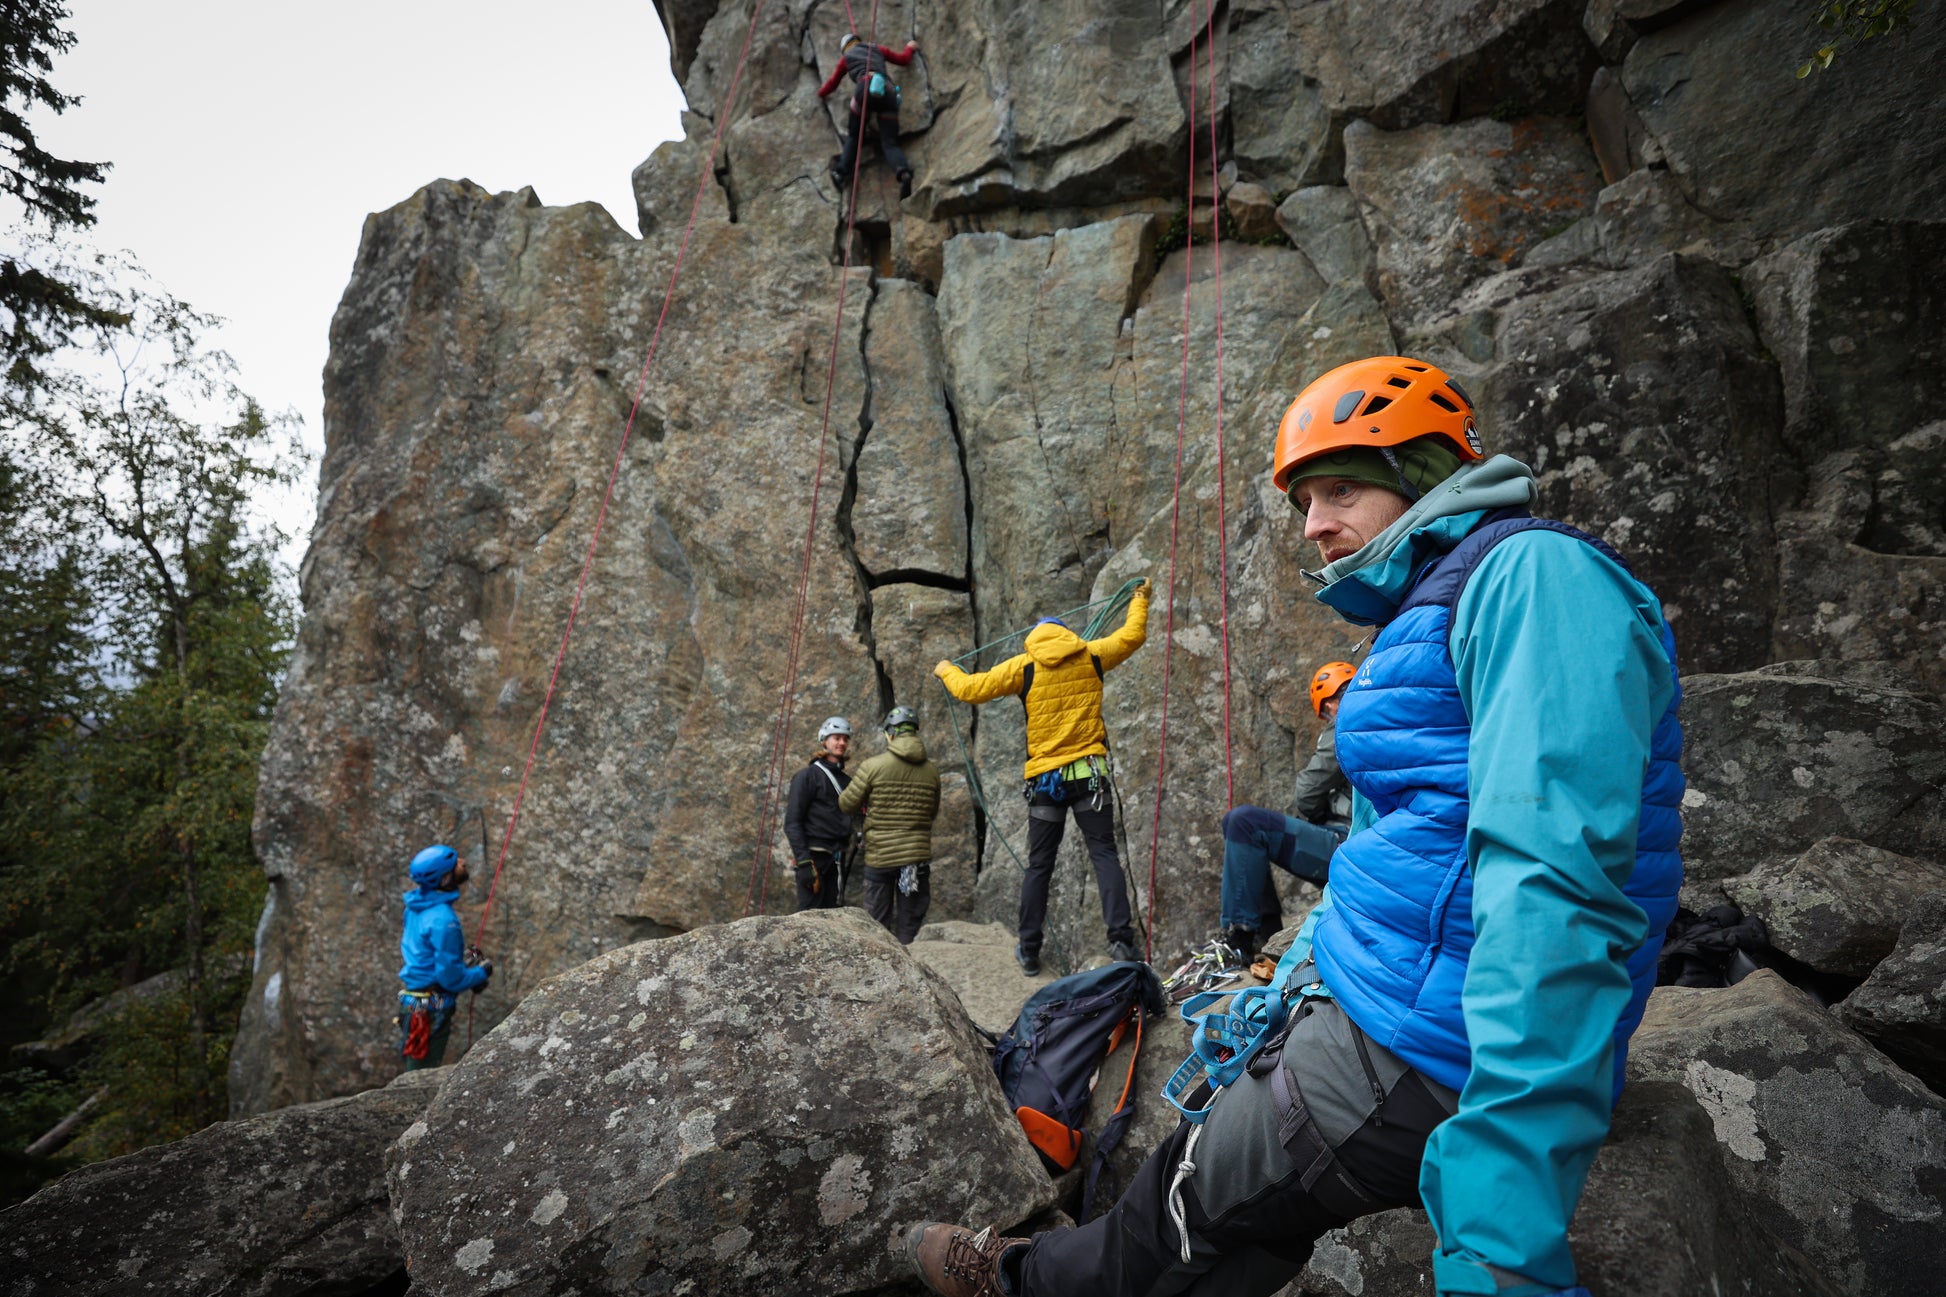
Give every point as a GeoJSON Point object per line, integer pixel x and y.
{"type": "Point", "coordinates": [1047, 824]}
{"type": "Point", "coordinates": [1251, 1217]}
{"type": "Point", "coordinates": [900, 913]}
{"type": "Point", "coordinates": [823, 869]}
{"type": "Point", "coordinates": [885, 110]}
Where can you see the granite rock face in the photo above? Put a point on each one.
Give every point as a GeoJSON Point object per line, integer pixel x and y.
{"type": "Point", "coordinates": [288, 1204]}
{"type": "Point", "coordinates": [1843, 1151]}
{"type": "Point", "coordinates": [762, 1109]}
{"type": "Point", "coordinates": [1666, 349]}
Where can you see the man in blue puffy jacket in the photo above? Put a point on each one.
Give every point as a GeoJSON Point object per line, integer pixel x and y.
{"type": "Point", "coordinates": [436, 969]}
{"type": "Point", "coordinates": [1461, 1000]}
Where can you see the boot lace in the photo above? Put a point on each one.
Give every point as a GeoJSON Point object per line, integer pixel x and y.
{"type": "Point", "coordinates": [973, 1257]}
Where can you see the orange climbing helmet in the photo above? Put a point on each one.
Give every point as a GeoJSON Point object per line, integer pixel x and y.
{"type": "Point", "coordinates": [1381, 402]}
{"type": "Point", "coordinates": [1327, 680]}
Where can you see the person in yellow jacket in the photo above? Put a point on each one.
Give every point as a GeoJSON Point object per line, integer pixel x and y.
{"type": "Point", "coordinates": [1059, 681]}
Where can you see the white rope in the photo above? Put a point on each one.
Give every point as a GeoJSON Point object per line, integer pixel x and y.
{"type": "Point", "coordinates": [1184, 1169]}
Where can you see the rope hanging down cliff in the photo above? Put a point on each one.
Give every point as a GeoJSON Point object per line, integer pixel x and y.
{"type": "Point", "coordinates": [1175, 503]}
{"type": "Point", "coordinates": [759, 889]}
{"type": "Point", "coordinates": [703, 182]}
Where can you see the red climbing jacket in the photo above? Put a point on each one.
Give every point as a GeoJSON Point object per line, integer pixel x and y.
{"type": "Point", "coordinates": [860, 60]}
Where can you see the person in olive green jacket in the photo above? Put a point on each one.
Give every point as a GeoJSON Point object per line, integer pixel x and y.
{"type": "Point", "coordinates": [899, 792]}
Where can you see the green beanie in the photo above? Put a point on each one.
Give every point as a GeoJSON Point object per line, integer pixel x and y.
{"type": "Point", "coordinates": [1425, 462]}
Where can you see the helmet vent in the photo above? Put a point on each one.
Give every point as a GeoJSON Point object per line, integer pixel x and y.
{"type": "Point", "coordinates": [1396, 381]}
{"type": "Point", "coordinates": [1376, 404]}
{"type": "Point", "coordinates": [1346, 405]}
{"type": "Point", "coordinates": [1443, 403]}
{"type": "Point", "coordinates": [1417, 369]}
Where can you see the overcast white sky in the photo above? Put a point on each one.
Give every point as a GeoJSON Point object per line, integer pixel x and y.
{"type": "Point", "coordinates": [250, 140]}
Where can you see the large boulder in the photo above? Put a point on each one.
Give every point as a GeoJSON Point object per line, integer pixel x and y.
{"type": "Point", "coordinates": [1785, 756]}
{"type": "Point", "coordinates": [757, 1108]}
{"type": "Point", "coordinates": [1839, 906]}
{"type": "Point", "coordinates": [1659, 1218]}
{"type": "Point", "coordinates": [1752, 142]}
{"type": "Point", "coordinates": [1842, 1150]}
{"type": "Point", "coordinates": [291, 1203]}
{"type": "Point", "coordinates": [1901, 1008]}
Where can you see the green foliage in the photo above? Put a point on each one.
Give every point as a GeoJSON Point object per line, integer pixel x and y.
{"type": "Point", "coordinates": [143, 630]}
{"type": "Point", "coordinates": [1847, 22]}
{"type": "Point", "coordinates": [39, 308]}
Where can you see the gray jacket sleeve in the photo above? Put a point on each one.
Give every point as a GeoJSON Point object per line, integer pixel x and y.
{"type": "Point", "coordinates": [1320, 778]}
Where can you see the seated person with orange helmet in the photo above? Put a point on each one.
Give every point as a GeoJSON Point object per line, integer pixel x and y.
{"type": "Point", "coordinates": [1456, 1012]}
{"type": "Point", "coordinates": [1255, 837]}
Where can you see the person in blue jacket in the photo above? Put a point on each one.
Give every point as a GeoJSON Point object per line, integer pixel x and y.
{"type": "Point", "coordinates": [1460, 1002]}
{"type": "Point", "coordinates": [436, 967]}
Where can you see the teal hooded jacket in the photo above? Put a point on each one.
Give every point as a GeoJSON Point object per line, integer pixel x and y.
{"type": "Point", "coordinates": [1559, 660]}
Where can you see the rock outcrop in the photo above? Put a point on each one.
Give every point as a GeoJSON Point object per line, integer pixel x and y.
{"type": "Point", "coordinates": [1901, 1008]}
{"type": "Point", "coordinates": [1840, 1148]}
{"type": "Point", "coordinates": [288, 1204]}
{"type": "Point", "coordinates": [1706, 325]}
{"type": "Point", "coordinates": [1660, 1218]}
{"type": "Point", "coordinates": [761, 1108]}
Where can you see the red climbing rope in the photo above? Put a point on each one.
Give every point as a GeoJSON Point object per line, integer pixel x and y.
{"type": "Point", "coordinates": [759, 889]}
{"type": "Point", "coordinates": [1222, 505]}
{"type": "Point", "coordinates": [587, 562]}
{"type": "Point", "coordinates": [1175, 522]}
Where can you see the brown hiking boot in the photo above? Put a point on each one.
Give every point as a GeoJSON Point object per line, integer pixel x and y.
{"type": "Point", "coordinates": [956, 1262]}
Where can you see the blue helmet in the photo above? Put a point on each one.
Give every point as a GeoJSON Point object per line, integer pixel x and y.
{"type": "Point", "coordinates": [1052, 621]}
{"type": "Point", "coordinates": [432, 864]}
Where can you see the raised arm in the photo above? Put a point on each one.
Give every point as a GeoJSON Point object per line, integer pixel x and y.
{"type": "Point", "coordinates": [1114, 650]}
{"type": "Point", "coordinates": [984, 686]}
{"type": "Point", "coordinates": [1563, 676]}
{"type": "Point", "coordinates": [831, 82]}
{"type": "Point", "coordinates": [900, 57]}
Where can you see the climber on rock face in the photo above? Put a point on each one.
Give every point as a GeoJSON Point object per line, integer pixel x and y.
{"type": "Point", "coordinates": [1059, 683]}
{"type": "Point", "coordinates": [437, 964]}
{"type": "Point", "coordinates": [819, 832]}
{"type": "Point", "coordinates": [1460, 1002]}
{"type": "Point", "coordinates": [874, 94]}
{"type": "Point", "coordinates": [898, 790]}
{"type": "Point", "coordinates": [1255, 837]}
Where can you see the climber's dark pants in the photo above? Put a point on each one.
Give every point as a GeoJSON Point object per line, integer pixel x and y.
{"type": "Point", "coordinates": [1251, 1220]}
{"type": "Point", "coordinates": [1047, 824]}
{"type": "Point", "coordinates": [886, 110]}
{"type": "Point", "coordinates": [900, 914]}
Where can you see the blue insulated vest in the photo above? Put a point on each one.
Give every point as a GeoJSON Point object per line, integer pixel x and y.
{"type": "Point", "coordinates": [1394, 944]}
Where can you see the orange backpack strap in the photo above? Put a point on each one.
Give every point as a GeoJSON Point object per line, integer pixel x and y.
{"type": "Point", "coordinates": [1059, 1144]}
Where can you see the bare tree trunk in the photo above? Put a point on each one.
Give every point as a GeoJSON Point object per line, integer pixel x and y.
{"type": "Point", "coordinates": [56, 1139]}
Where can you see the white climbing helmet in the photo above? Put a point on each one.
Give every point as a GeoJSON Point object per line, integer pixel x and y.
{"type": "Point", "coordinates": [835, 725]}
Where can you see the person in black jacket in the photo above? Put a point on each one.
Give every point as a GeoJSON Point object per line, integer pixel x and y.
{"type": "Point", "coordinates": [820, 833]}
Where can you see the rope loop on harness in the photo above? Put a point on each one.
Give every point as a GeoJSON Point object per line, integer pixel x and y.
{"type": "Point", "coordinates": [1184, 1169]}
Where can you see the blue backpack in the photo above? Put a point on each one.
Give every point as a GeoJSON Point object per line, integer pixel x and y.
{"type": "Point", "coordinates": [1049, 1060]}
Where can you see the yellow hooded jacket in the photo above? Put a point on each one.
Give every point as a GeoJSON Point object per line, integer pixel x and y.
{"type": "Point", "coordinates": [1064, 704]}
